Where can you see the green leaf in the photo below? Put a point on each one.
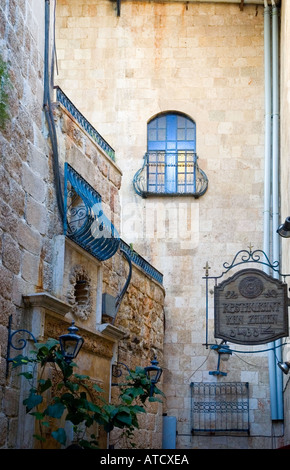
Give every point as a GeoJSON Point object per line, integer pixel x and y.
{"type": "Point", "coordinates": [27, 375]}
{"type": "Point", "coordinates": [37, 414]}
{"type": "Point", "coordinates": [32, 401]}
{"type": "Point", "coordinates": [44, 385]}
{"type": "Point", "coordinates": [55, 411]}
{"type": "Point", "coordinates": [76, 417]}
{"type": "Point", "coordinates": [97, 388]}
{"type": "Point", "coordinates": [93, 407]}
{"type": "Point", "coordinates": [39, 438]}
{"type": "Point", "coordinates": [138, 409]}
{"type": "Point", "coordinates": [81, 377]}
{"type": "Point", "coordinates": [152, 399]}
{"type": "Point", "coordinates": [46, 424]}
{"type": "Point", "coordinates": [124, 418]}
{"type": "Point", "coordinates": [127, 398]}
{"type": "Point", "coordinates": [60, 436]}
{"type": "Point", "coordinates": [19, 361]}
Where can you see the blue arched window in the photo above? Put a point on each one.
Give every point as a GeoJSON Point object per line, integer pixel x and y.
{"type": "Point", "coordinates": [170, 163]}
{"type": "Point", "coordinates": [171, 147]}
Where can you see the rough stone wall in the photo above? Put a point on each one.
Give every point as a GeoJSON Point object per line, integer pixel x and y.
{"type": "Point", "coordinates": [205, 60]}
{"type": "Point", "coordinates": [27, 207]}
{"type": "Point", "coordinates": [141, 316]}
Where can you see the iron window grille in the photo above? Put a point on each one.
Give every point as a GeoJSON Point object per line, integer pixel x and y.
{"type": "Point", "coordinates": [221, 408]}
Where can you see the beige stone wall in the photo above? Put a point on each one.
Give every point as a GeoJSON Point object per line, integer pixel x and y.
{"type": "Point", "coordinates": [205, 60]}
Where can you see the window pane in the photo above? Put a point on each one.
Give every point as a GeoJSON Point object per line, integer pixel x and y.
{"type": "Point", "coordinates": [161, 134]}
{"type": "Point", "coordinates": [162, 122]}
{"type": "Point", "coordinates": [152, 134]}
{"type": "Point", "coordinates": [152, 124]}
{"type": "Point", "coordinates": [180, 122]}
{"type": "Point", "coordinates": [190, 134]}
{"type": "Point", "coordinates": [180, 134]}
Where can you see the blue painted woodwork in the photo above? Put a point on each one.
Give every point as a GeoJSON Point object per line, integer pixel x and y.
{"type": "Point", "coordinates": [170, 163]}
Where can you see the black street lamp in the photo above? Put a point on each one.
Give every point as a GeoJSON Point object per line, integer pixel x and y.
{"type": "Point", "coordinates": [70, 343]}
{"type": "Point", "coordinates": [153, 373]}
{"type": "Point", "coordinates": [284, 229]}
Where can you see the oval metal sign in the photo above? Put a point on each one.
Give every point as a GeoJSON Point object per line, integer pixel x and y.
{"type": "Point", "coordinates": [251, 308]}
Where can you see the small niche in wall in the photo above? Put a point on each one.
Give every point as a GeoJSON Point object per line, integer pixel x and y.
{"type": "Point", "coordinates": [79, 293]}
{"type": "Point", "coordinates": [82, 292]}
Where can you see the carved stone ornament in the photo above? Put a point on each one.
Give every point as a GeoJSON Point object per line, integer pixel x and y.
{"type": "Point", "coordinates": [95, 344]}
{"type": "Point", "coordinates": [79, 293]}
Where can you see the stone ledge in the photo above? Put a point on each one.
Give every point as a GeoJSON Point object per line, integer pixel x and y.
{"type": "Point", "coordinates": [111, 331]}
{"type": "Point", "coordinates": [47, 301]}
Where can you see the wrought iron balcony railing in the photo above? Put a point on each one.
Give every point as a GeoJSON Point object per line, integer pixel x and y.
{"type": "Point", "coordinates": [84, 220]}
{"type": "Point", "coordinates": [170, 173]}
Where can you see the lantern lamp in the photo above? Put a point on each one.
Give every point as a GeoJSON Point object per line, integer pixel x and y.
{"type": "Point", "coordinates": [153, 373]}
{"type": "Point", "coordinates": [284, 229]}
{"type": "Point", "coordinates": [284, 366]}
{"type": "Point", "coordinates": [70, 343]}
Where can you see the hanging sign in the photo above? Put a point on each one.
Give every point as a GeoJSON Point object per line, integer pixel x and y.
{"type": "Point", "coordinates": [251, 308]}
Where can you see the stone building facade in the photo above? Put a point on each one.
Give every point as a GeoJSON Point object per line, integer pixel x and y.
{"type": "Point", "coordinates": [203, 61]}
{"type": "Point", "coordinates": [42, 270]}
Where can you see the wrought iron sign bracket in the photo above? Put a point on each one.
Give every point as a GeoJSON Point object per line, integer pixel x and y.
{"type": "Point", "coordinates": [21, 341]}
{"type": "Point", "coordinates": [117, 371]}
{"type": "Point", "coordinates": [251, 307]}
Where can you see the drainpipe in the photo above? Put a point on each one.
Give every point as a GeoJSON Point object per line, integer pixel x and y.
{"type": "Point", "coordinates": [267, 185]}
{"type": "Point", "coordinates": [275, 187]}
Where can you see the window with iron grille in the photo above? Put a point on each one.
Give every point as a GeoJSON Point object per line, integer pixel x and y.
{"type": "Point", "coordinates": [170, 163]}
{"type": "Point", "coordinates": [171, 154]}
{"type": "Point", "coordinates": [221, 408]}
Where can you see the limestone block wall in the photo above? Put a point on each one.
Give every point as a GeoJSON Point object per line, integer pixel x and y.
{"type": "Point", "coordinates": [27, 204]}
{"type": "Point", "coordinates": [204, 60]}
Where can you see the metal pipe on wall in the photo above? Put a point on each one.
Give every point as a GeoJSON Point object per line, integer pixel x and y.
{"type": "Point", "coordinates": [271, 183]}
{"type": "Point", "coordinates": [267, 184]}
{"type": "Point", "coordinates": [275, 186]}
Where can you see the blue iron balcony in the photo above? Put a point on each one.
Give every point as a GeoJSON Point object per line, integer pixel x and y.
{"type": "Point", "coordinates": [174, 173]}
{"type": "Point", "coordinates": [84, 220]}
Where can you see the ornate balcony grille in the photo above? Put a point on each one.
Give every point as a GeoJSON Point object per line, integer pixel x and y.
{"type": "Point", "coordinates": [84, 220]}
{"type": "Point", "coordinates": [220, 407]}
{"type": "Point", "coordinates": [170, 173]}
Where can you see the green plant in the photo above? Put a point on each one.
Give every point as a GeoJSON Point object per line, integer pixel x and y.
{"type": "Point", "coordinates": [4, 85]}
{"type": "Point", "coordinates": [67, 397]}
